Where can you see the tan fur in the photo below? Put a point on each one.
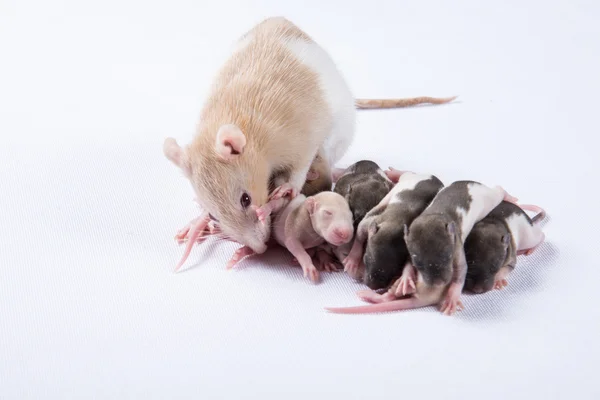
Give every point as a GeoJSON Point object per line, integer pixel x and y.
{"type": "Point", "coordinates": [276, 102]}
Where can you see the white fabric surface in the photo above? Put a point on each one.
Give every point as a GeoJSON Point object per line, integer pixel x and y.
{"type": "Point", "coordinates": [89, 307]}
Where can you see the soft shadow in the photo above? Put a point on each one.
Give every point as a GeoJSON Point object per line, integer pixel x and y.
{"type": "Point", "coordinates": [530, 272]}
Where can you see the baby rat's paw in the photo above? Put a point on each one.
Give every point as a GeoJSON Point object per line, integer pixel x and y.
{"type": "Point", "coordinates": [406, 286]}
{"type": "Point", "coordinates": [310, 272]}
{"type": "Point", "coordinates": [452, 303]}
{"type": "Point", "coordinates": [500, 283]}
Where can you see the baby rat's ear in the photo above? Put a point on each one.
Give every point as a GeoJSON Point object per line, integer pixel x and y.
{"type": "Point", "coordinates": [373, 228]}
{"type": "Point", "coordinates": [451, 227]}
{"type": "Point", "coordinates": [311, 205]}
{"type": "Point", "coordinates": [176, 155]}
{"type": "Point", "coordinates": [230, 142]}
{"type": "Point", "coordinates": [505, 239]}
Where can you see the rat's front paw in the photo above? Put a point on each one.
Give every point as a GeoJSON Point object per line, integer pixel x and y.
{"type": "Point", "coordinates": [406, 286]}
{"type": "Point", "coordinates": [310, 272]}
{"type": "Point", "coordinates": [452, 303]}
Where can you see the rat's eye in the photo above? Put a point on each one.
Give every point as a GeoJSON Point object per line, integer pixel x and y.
{"type": "Point", "coordinates": [326, 212]}
{"type": "Point", "coordinates": [213, 217]}
{"type": "Point", "coordinates": [245, 200]}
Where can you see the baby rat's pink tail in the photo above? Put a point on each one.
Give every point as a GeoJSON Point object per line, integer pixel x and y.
{"type": "Point", "coordinates": [395, 305]}
{"type": "Point", "coordinates": [541, 213]}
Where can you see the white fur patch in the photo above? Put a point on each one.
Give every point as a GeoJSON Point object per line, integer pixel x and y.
{"type": "Point", "coordinates": [338, 96]}
{"type": "Point", "coordinates": [483, 200]}
{"type": "Point", "coordinates": [407, 181]}
{"type": "Point", "coordinates": [524, 235]}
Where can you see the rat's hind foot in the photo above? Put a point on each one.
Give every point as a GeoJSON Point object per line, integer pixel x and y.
{"type": "Point", "coordinates": [393, 174]}
{"type": "Point", "coordinates": [325, 261]}
{"type": "Point", "coordinates": [406, 283]}
{"type": "Point", "coordinates": [374, 297]}
{"type": "Point", "coordinates": [238, 255]}
{"type": "Point", "coordinates": [452, 302]}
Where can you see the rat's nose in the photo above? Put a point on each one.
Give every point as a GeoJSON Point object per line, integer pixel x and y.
{"type": "Point", "coordinates": [341, 233]}
{"type": "Point", "coordinates": [478, 289]}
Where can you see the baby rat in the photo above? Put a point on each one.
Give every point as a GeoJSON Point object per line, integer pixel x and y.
{"type": "Point", "coordinates": [382, 228]}
{"type": "Point", "coordinates": [437, 266]}
{"type": "Point", "coordinates": [307, 222]}
{"type": "Point", "coordinates": [492, 247]}
{"type": "Point", "coordinates": [363, 184]}
{"type": "Point", "coordinates": [273, 104]}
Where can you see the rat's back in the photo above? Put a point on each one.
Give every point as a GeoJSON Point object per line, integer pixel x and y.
{"type": "Point", "coordinates": [284, 91]}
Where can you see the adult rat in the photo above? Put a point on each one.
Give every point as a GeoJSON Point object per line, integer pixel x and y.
{"type": "Point", "coordinates": [276, 101]}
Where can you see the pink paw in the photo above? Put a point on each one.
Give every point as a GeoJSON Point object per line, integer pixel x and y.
{"type": "Point", "coordinates": [282, 191]}
{"type": "Point", "coordinates": [351, 265]}
{"type": "Point", "coordinates": [374, 297]}
{"type": "Point", "coordinates": [311, 272]}
{"type": "Point", "coordinates": [500, 284]}
{"type": "Point", "coordinates": [262, 213]}
{"type": "Point", "coordinates": [406, 286]}
{"type": "Point", "coordinates": [452, 303]}
{"type": "Point", "coordinates": [238, 255]}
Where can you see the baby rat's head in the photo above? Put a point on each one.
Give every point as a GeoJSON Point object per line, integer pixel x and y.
{"type": "Point", "coordinates": [230, 181]}
{"type": "Point", "coordinates": [486, 250]}
{"type": "Point", "coordinates": [431, 245]}
{"type": "Point", "coordinates": [385, 254]}
{"type": "Point", "coordinates": [331, 217]}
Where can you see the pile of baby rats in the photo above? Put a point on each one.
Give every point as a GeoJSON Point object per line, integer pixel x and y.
{"type": "Point", "coordinates": [413, 241]}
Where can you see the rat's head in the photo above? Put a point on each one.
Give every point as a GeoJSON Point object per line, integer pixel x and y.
{"type": "Point", "coordinates": [230, 181]}
{"type": "Point", "coordinates": [431, 243]}
{"type": "Point", "coordinates": [364, 195]}
{"type": "Point", "coordinates": [385, 254]}
{"type": "Point", "coordinates": [331, 217]}
{"type": "Point", "coordinates": [486, 250]}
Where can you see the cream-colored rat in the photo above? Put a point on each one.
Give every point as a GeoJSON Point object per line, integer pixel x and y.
{"type": "Point", "coordinates": [276, 101]}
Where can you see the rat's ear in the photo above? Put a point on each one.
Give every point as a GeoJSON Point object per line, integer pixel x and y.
{"type": "Point", "coordinates": [373, 228]}
{"type": "Point", "coordinates": [451, 227]}
{"type": "Point", "coordinates": [176, 155]}
{"type": "Point", "coordinates": [311, 205]}
{"type": "Point", "coordinates": [505, 240]}
{"type": "Point", "coordinates": [230, 142]}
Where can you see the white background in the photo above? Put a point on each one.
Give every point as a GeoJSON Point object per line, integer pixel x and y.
{"type": "Point", "coordinates": [89, 306]}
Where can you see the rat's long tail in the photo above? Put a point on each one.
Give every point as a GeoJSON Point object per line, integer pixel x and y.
{"type": "Point", "coordinates": [395, 305]}
{"type": "Point", "coordinates": [364, 104]}
{"type": "Point", "coordinates": [541, 213]}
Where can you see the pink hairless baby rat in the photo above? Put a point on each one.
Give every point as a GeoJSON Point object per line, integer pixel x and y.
{"type": "Point", "coordinates": [276, 101]}
{"type": "Point", "coordinates": [307, 222]}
